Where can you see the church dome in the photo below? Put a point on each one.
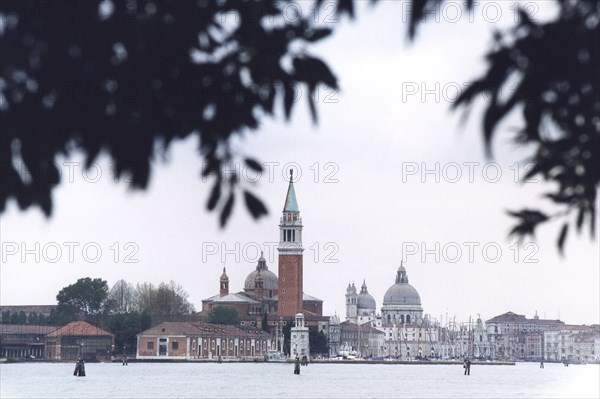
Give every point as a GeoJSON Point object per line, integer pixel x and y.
{"type": "Point", "coordinates": [402, 293]}
{"type": "Point", "coordinates": [365, 301]}
{"type": "Point", "coordinates": [270, 281]}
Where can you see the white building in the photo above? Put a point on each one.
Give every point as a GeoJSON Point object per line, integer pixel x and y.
{"type": "Point", "coordinates": [299, 338]}
{"type": "Point", "coordinates": [401, 303]}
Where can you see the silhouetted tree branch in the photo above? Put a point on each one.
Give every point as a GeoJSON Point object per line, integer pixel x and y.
{"type": "Point", "coordinates": [129, 78]}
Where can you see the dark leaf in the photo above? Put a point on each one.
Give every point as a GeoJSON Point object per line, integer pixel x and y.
{"type": "Point", "coordinates": [253, 164]}
{"type": "Point", "coordinates": [346, 6]}
{"type": "Point", "coordinates": [254, 205]}
{"type": "Point", "coordinates": [314, 35]}
{"type": "Point", "coordinates": [580, 217]}
{"type": "Point", "coordinates": [226, 211]}
{"type": "Point", "coordinates": [215, 194]}
{"type": "Point", "coordinates": [562, 236]}
{"type": "Point", "coordinates": [288, 100]}
{"type": "Point", "coordinates": [312, 106]}
{"type": "Point", "coordinates": [313, 71]}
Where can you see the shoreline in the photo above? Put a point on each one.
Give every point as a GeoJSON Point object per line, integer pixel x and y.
{"type": "Point", "coordinates": [289, 361]}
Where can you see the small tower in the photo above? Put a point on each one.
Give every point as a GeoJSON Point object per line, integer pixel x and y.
{"type": "Point", "coordinates": [224, 286]}
{"type": "Point", "coordinates": [401, 276]}
{"type": "Point", "coordinates": [351, 303]}
{"type": "Point", "coordinates": [290, 250]}
{"type": "Point", "coordinates": [299, 338]}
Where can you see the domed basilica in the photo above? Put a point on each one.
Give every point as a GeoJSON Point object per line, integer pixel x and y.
{"type": "Point", "coordinates": [401, 303]}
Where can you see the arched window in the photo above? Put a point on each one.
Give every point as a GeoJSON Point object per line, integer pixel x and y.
{"type": "Point", "coordinates": [408, 319]}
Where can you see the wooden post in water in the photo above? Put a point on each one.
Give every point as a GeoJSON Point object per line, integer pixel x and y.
{"type": "Point", "coordinates": [80, 366]}
{"type": "Point", "coordinates": [297, 366]}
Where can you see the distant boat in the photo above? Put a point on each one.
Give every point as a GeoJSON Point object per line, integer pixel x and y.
{"type": "Point", "coordinates": [273, 356]}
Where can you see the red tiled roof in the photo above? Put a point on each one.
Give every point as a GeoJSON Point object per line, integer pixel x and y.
{"type": "Point", "coordinates": [507, 317]}
{"type": "Point", "coordinates": [206, 329]}
{"type": "Point", "coordinates": [78, 328]}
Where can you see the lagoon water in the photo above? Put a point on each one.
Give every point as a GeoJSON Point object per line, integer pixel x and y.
{"type": "Point", "coordinates": [276, 380]}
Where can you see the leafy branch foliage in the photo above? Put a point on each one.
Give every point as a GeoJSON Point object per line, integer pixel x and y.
{"type": "Point", "coordinates": [129, 78]}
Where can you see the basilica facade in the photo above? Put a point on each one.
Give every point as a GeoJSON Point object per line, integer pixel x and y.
{"type": "Point", "coordinates": [401, 330]}
{"type": "Point", "coordinates": [270, 299]}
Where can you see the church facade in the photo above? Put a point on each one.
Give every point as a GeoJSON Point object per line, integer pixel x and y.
{"type": "Point", "coordinates": [268, 299]}
{"type": "Point", "coordinates": [401, 330]}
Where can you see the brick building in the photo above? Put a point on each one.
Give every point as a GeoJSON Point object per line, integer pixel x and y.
{"type": "Point", "coordinates": [79, 337]}
{"type": "Point", "coordinates": [23, 341]}
{"type": "Point", "coordinates": [198, 340]}
{"type": "Point", "coordinates": [266, 297]}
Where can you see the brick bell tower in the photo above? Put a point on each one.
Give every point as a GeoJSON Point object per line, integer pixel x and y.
{"type": "Point", "coordinates": [289, 296]}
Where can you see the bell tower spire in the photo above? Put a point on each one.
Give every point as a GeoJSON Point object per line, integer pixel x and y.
{"type": "Point", "coordinates": [290, 255]}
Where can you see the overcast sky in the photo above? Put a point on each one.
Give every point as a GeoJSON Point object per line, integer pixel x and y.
{"type": "Point", "coordinates": [364, 194]}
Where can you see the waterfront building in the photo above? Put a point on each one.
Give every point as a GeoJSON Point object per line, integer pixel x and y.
{"type": "Point", "coordinates": [23, 341]}
{"type": "Point", "coordinates": [299, 339]}
{"type": "Point", "coordinates": [363, 339]}
{"type": "Point", "coordinates": [334, 338]}
{"type": "Point", "coordinates": [360, 307]}
{"type": "Point", "coordinates": [269, 299]}
{"type": "Point", "coordinates": [79, 338]}
{"type": "Point", "coordinates": [572, 343]}
{"type": "Point", "coordinates": [510, 335]}
{"type": "Point", "coordinates": [401, 302]}
{"type": "Point", "coordinates": [197, 340]}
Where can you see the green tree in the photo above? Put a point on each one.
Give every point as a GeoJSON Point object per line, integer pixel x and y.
{"type": "Point", "coordinates": [223, 315]}
{"type": "Point", "coordinates": [318, 342]}
{"type": "Point", "coordinates": [6, 317]}
{"type": "Point", "coordinates": [125, 327]}
{"type": "Point", "coordinates": [86, 295]}
{"type": "Point", "coordinates": [62, 315]}
{"type": "Point", "coordinates": [145, 321]}
{"type": "Point", "coordinates": [18, 318]}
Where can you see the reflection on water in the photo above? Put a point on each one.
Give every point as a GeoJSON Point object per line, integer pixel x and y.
{"type": "Point", "coordinates": [278, 381]}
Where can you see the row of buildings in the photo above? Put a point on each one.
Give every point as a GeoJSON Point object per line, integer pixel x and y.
{"type": "Point", "coordinates": [73, 340]}
{"type": "Point", "coordinates": [270, 302]}
{"type": "Point", "coordinates": [403, 331]}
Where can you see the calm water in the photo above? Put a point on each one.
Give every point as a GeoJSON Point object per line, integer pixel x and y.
{"type": "Point", "coordinates": [187, 380]}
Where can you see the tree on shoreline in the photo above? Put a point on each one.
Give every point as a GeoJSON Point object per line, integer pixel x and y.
{"type": "Point", "coordinates": [86, 296]}
{"type": "Point", "coordinates": [223, 315]}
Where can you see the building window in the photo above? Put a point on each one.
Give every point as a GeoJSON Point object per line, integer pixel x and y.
{"type": "Point", "coordinates": [175, 345]}
{"type": "Point", "coordinates": [194, 345]}
{"type": "Point", "coordinates": [150, 345]}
